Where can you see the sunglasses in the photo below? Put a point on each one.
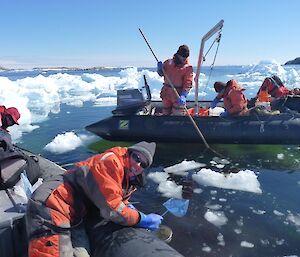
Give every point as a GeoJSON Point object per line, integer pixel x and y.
{"type": "Point", "coordinates": [138, 159]}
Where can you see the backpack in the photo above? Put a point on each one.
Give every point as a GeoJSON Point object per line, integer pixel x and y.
{"type": "Point", "coordinates": [13, 162]}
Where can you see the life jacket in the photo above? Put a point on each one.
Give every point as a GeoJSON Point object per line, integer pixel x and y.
{"type": "Point", "coordinates": [235, 101]}
{"type": "Point", "coordinates": [13, 162]}
{"type": "Point", "coordinates": [274, 86]}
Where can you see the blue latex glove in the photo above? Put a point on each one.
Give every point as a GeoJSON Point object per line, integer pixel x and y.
{"type": "Point", "coordinates": [182, 98]}
{"type": "Point", "coordinates": [213, 104]}
{"type": "Point", "coordinates": [150, 221]}
{"type": "Point", "coordinates": [131, 206]}
{"type": "Point", "coordinates": [224, 114]}
{"type": "Point", "coordinates": [160, 68]}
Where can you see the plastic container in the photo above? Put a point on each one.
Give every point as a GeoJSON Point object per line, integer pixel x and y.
{"type": "Point", "coordinates": [216, 111]}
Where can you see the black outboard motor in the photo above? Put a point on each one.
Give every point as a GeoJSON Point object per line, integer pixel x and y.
{"type": "Point", "coordinates": [130, 101]}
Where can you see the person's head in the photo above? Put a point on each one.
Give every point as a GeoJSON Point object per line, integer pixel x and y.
{"type": "Point", "coordinates": [219, 86]}
{"type": "Point", "coordinates": [140, 158]}
{"type": "Point", "coordinates": [10, 117]}
{"type": "Point", "coordinates": [182, 54]}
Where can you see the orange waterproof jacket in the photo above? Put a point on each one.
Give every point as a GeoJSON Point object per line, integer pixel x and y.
{"type": "Point", "coordinates": [181, 76]}
{"type": "Point", "coordinates": [100, 179]}
{"type": "Point", "coordinates": [274, 90]}
{"type": "Point", "coordinates": [235, 101]}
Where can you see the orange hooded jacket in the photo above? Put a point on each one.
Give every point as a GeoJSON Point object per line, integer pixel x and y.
{"type": "Point", "coordinates": [181, 77]}
{"type": "Point", "coordinates": [235, 101]}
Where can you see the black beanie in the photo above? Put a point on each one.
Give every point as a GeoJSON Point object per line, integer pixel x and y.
{"type": "Point", "coordinates": [219, 86]}
{"type": "Point", "coordinates": [184, 51]}
{"type": "Point", "coordinates": [145, 148]}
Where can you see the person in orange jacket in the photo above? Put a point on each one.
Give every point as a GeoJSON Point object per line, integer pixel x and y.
{"type": "Point", "coordinates": [235, 102]}
{"type": "Point", "coordinates": [179, 73]}
{"type": "Point", "coordinates": [274, 86]}
{"type": "Point", "coordinates": [8, 117]}
{"type": "Point", "coordinates": [106, 181]}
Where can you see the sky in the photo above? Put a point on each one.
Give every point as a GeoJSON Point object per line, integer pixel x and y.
{"type": "Point", "coordinates": [92, 33]}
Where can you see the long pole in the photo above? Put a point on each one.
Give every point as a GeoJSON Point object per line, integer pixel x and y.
{"type": "Point", "coordinates": [172, 85]}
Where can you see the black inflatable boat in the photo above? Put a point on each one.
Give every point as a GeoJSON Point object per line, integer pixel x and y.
{"type": "Point", "coordinates": [138, 119]}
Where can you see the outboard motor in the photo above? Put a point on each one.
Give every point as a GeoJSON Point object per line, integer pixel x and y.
{"type": "Point", "coordinates": [130, 101]}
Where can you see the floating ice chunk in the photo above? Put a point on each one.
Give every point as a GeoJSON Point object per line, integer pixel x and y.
{"type": "Point", "coordinates": [245, 180]}
{"type": "Point", "coordinates": [280, 156]}
{"type": "Point", "coordinates": [237, 231]}
{"type": "Point", "coordinates": [66, 142]}
{"type": "Point", "coordinates": [247, 244]}
{"type": "Point", "coordinates": [183, 167]}
{"type": "Point", "coordinates": [197, 190]}
{"type": "Point", "coordinates": [220, 238]}
{"type": "Point", "coordinates": [206, 248]}
{"type": "Point", "coordinates": [158, 177]}
{"type": "Point", "coordinates": [259, 212]}
{"type": "Point", "coordinates": [217, 218]}
{"type": "Point", "coordinates": [213, 206]}
{"type": "Point", "coordinates": [166, 187]}
{"type": "Point", "coordinates": [170, 189]}
{"type": "Point", "coordinates": [278, 213]}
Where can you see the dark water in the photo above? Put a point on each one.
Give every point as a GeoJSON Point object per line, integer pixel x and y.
{"type": "Point", "coordinates": [268, 222]}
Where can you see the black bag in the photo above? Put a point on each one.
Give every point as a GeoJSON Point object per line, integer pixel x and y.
{"type": "Point", "coordinates": [12, 163]}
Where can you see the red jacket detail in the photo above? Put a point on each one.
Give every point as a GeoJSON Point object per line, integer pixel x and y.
{"type": "Point", "coordinates": [274, 91]}
{"type": "Point", "coordinates": [235, 101]}
{"type": "Point", "coordinates": [181, 76]}
{"type": "Point", "coordinates": [101, 179]}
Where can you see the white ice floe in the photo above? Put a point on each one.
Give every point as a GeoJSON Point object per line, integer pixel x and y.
{"type": "Point", "coordinates": [217, 218]}
{"type": "Point", "coordinates": [183, 167]}
{"type": "Point", "coordinates": [66, 142]}
{"type": "Point", "coordinates": [294, 219]}
{"type": "Point", "coordinates": [278, 213]}
{"type": "Point", "coordinates": [245, 180]}
{"type": "Point", "coordinates": [247, 244]}
{"type": "Point", "coordinates": [280, 156]}
{"type": "Point", "coordinates": [213, 206]}
{"type": "Point", "coordinates": [166, 187]}
{"type": "Point", "coordinates": [221, 240]}
{"type": "Point", "coordinates": [206, 248]}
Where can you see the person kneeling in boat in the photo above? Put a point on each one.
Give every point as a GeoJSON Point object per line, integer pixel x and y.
{"type": "Point", "coordinates": [178, 75]}
{"type": "Point", "coordinates": [235, 102]}
{"type": "Point", "coordinates": [104, 183]}
{"type": "Point", "coordinates": [279, 94]}
{"type": "Point", "coordinates": [8, 117]}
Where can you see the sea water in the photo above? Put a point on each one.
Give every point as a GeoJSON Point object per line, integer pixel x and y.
{"type": "Point", "coordinates": [245, 204]}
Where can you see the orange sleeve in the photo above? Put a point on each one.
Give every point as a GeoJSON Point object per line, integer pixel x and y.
{"type": "Point", "coordinates": [109, 174]}
{"type": "Point", "coordinates": [188, 79]}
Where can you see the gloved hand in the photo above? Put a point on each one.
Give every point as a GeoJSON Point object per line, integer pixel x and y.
{"type": "Point", "coordinates": [160, 68]}
{"type": "Point", "coordinates": [150, 221]}
{"type": "Point", "coordinates": [224, 114]}
{"type": "Point", "coordinates": [213, 104]}
{"type": "Point", "coordinates": [131, 206]}
{"type": "Point", "coordinates": [182, 98]}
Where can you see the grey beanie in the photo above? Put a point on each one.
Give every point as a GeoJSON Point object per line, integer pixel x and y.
{"type": "Point", "coordinates": [147, 149]}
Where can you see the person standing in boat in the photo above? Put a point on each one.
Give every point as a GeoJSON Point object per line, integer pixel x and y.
{"type": "Point", "coordinates": [178, 75]}
{"type": "Point", "coordinates": [8, 117]}
{"type": "Point", "coordinates": [235, 102]}
{"type": "Point", "coordinates": [103, 183]}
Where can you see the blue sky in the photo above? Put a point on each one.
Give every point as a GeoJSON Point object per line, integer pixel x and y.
{"type": "Point", "coordinates": [105, 33]}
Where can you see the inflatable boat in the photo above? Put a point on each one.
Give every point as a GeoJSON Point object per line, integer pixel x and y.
{"type": "Point", "coordinates": [112, 240]}
{"type": "Point", "coordinates": [137, 119]}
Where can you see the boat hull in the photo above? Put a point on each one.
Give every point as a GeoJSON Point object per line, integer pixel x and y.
{"type": "Point", "coordinates": [265, 129]}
